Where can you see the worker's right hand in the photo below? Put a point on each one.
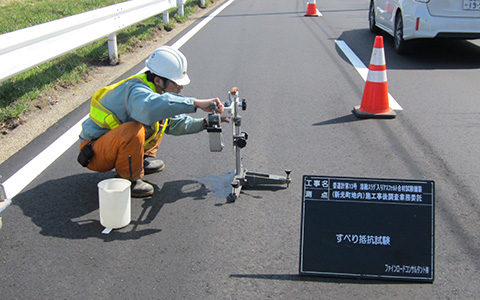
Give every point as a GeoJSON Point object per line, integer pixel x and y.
{"type": "Point", "coordinates": [205, 105]}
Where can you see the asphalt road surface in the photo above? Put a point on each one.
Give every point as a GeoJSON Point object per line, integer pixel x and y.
{"type": "Point", "coordinates": [187, 242]}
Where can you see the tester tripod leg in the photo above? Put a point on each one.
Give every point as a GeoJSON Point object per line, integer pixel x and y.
{"type": "Point", "coordinates": [259, 179]}
{"type": "Point", "coordinates": [253, 179]}
{"type": "Point", "coordinates": [237, 184]}
{"type": "Point", "coordinates": [236, 189]}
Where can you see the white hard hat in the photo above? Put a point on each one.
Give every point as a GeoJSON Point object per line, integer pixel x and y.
{"type": "Point", "coordinates": [169, 63]}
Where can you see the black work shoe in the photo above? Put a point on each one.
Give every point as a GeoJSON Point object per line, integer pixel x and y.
{"type": "Point", "coordinates": [152, 165]}
{"type": "Point", "coordinates": [140, 189]}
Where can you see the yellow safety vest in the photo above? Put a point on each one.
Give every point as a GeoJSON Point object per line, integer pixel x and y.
{"type": "Point", "coordinates": [106, 119]}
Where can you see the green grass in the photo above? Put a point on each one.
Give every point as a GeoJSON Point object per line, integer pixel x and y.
{"type": "Point", "coordinates": [17, 93]}
{"type": "Point", "coordinates": [18, 14]}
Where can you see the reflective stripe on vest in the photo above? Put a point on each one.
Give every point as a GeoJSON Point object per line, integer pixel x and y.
{"type": "Point", "coordinates": [107, 120]}
{"type": "Point", "coordinates": [156, 137]}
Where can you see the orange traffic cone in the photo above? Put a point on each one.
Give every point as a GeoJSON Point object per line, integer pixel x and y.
{"type": "Point", "coordinates": [311, 9]}
{"type": "Point", "coordinates": [375, 96]}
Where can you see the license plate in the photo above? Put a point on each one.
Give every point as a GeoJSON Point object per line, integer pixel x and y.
{"type": "Point", "coordinates": [471, 4]}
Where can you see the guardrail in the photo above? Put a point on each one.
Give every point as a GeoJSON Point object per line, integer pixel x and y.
{"type": "Point", "coordinates": [3, 198]}
{"type": "Point", "coordinates": [27, 48]}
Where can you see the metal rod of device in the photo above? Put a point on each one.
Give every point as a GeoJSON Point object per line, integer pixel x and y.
{"type": "Point", "coordinates": [236, 134]}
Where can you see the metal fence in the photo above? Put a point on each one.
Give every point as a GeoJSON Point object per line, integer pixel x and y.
{"type": "Point", "coordinates": [27, 48]}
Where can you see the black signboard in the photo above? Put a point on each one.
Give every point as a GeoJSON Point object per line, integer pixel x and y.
{"type": "Point", "coordinates": [367, 228]}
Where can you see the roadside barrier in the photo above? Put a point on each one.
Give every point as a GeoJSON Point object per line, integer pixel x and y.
{"type": "Point", "coordinates": [27, 48]}
{"type": "Point", "coordinates": [375, 95]}
{"type": "Point", "coordinates": [3, 198]}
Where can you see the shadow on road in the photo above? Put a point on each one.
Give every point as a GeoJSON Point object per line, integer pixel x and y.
{"type": "Point", "coordinates": [344, 119]}
{"type": "Point", "coordinates": [304, 278]}
{"type": "Point", "coordinates": [423, 54]}
{"type": "Point", "coordinates": [68, 207]}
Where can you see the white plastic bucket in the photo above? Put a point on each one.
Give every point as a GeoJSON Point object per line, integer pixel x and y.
{"type": "Point", "coordinates": [114, 201]}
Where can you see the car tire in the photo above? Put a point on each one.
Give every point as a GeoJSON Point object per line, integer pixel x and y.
{"type": "Point", "coordinates": [372, 23]}
{"type": "Point", "coordinates": [399, 43]}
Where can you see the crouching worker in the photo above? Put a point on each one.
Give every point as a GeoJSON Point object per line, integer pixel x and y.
{"type": "Point", "coordinates": [128, 119]}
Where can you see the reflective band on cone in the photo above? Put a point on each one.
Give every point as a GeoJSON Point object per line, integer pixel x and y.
{"type": "Point", "coordinates": [311, 9]}
{"type": "Point", "coordinates": [375, 96]}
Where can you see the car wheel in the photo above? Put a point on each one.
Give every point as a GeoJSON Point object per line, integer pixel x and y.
{"type": "Point", "coordinates": [400, 44]}
{"type": "Point", "coordinates": [372, 24]}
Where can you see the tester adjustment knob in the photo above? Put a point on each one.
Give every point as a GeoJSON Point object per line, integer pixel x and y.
{"type": "Point", "coordinates": [244, 104]}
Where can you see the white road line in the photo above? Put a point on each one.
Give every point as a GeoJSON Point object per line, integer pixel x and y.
{"type": "Point", "coordinates": [200, 25]}
{"type": "Point", "coordinates": [178, 44]}
{"type": "Point", "coordinates": [18, 181]}
{"type": "Point", "coordinates": [363, 70]}
{"type": "Point", "coordinates": [37, 165]}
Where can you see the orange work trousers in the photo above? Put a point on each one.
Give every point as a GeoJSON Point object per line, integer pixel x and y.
{"type": "Point", "coordinates": [121, 149]}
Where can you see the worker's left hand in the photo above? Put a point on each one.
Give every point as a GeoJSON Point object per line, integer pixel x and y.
{"type": "Point", "coordinates": [205, 105]}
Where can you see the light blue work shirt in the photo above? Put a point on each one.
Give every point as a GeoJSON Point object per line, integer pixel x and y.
{"type": "Point", "coordinates": [135, 101]}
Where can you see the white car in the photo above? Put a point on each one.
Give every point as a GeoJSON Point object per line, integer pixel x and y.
{"type": "Point", "coordinates": [414, 19]}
